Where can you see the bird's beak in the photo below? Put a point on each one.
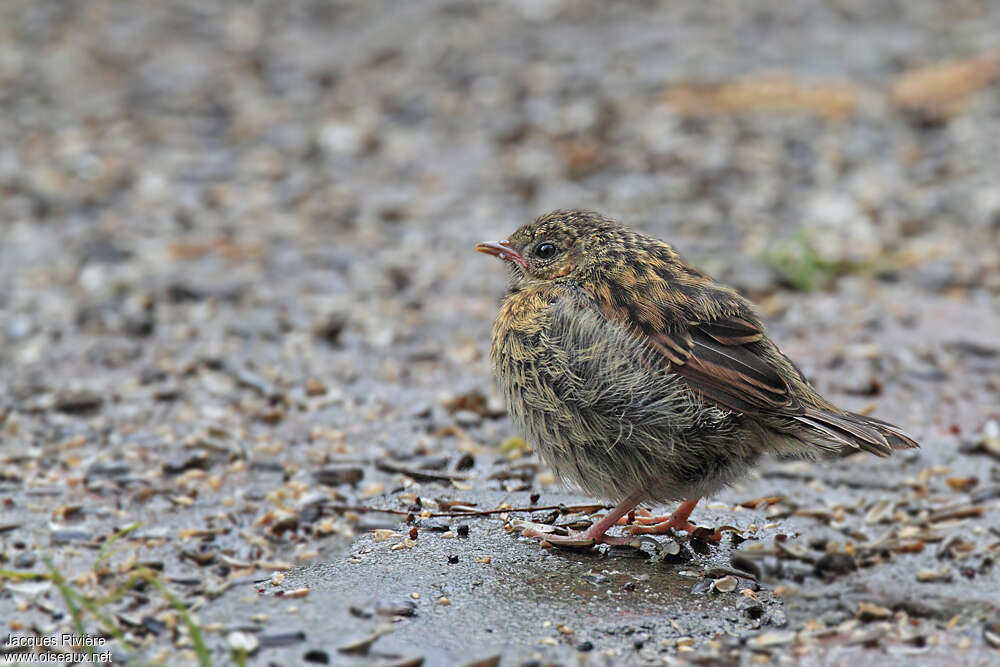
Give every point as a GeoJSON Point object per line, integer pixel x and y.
{"type": "Point", "coordinates": [502, 250]}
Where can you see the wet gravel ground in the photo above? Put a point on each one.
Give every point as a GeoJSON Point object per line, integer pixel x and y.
{"type": "Point", "coordinates": [239, 307]}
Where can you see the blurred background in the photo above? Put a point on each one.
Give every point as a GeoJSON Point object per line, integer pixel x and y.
{"type": "Point", "coordinates": [817, 138]}
{"type": "Point", "coordinates": [224, 172]}
{"type": "Point", "coordinates": [324, 157]}
{"type": "Point", "coordinates": [243, 231]}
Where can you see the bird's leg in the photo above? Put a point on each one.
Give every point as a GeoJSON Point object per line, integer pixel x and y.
{"type": "Point", "coordinates": [640, 516]}
{"type": "Point", "coordinates": [596, 533]}
{"type": "Point", "coordinates": [657, 525]}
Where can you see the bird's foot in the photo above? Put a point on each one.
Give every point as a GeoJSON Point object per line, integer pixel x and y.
{"type": "Point", "coordinates": [596, 534]}
{"type": "Point", "coordinates": [587, 538]}
{"type": "Point", "coordinates": [671, 523]}
{"type": "Point", "coordinates": [644, 523]}
{"type": "Point", "coordinates": [642, 517]}
{"type": "Point", "coordinates": [661, 525]}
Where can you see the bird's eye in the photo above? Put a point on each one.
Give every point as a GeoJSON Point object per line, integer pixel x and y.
{"type": "Point", "coordinates": [545, 251]}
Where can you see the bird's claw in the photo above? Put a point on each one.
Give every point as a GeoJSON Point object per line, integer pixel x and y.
{"type": "Point", "coordinates": [572, 541]}
{"type": "Point", "coordinates": [662, 527]}
{"type": "Point", "coordinates": [713, 535]}
{"type": "Point", "coordinates": [545, 535]}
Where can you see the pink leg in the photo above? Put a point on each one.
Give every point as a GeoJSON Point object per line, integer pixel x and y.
{"type": "Point", "coordinates": [678, 520]}
{"type": "Point", "coordinates": [596, 533]}
{"type": "Point", "coordinates": [641, 516]}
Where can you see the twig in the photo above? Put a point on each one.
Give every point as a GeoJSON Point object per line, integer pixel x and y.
{"type": "Point", "coordinates": [541, 508]}
{"type": "Point", "coordinates": [420, 474]}
{"type": "Point", "coordinates": [568, 508]}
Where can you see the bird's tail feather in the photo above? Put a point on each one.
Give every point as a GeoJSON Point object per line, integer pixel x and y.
{"type": "Point", "coordinates": [849, 429]}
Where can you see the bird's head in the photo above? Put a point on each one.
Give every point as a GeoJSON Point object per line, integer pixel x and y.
{"type": "Point", "coordinates": [562, 245]}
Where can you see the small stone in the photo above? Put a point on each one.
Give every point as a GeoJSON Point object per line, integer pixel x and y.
{"type": "Point", "coordinates": [746, 564]}
{"type": "Point", "coordinates": [331, 329]}
{"type": "Point", "coordinates": [109, 469]}
{"type": "Point", "coordinates": [434, 525]}
{"type": "Point", "coordinates": [962, 483]}
{"type": "Point", "coordinates": [991, 633]}
{"type": "Point", "coordinates": [725, 584]}
{"type": "Point", "coordinates": [929, 576]}
{"type": "Point", "coordinates": [359, 646]}
{"type": "Point", "coordinates": [491, 661]}
{"type": "Point", "coordinates": [360, 612]}
{"type": "Point", "coordinates": [703, 585]}
{"type": "Point", "coordinates": [868, 612]}
{"type": "Point", "coordinates": [314, 387]}
{"type": "Point", "coordinates": [834, 565]}
{"type": "Point", "coordinates": [396, 608]}
{"type": "Point", "coordinates": [25, 560]}
{"type": "Point", "coordinates": [242, 642]}
{"type": "Point", "coordinates": [752, 609]}
{"type": "Point", "coordinates": [295, 593]}
{"type": "Point", "coordinates": [988, 442]}
{"type": "Point", "coordinates": [316, 655]}
{"type": "Point", "coordinates": [770, 640]}
{"type": "Point", "coordinates": [951, 544]}
{"type": "Point", "coordinates": [467, 418]}
{"type": "Point", "coordinates": [880, 512]}
{"type": "Point", "coordinates": [669, 548]}
{"type": "Point", "coordinates": [443, 601]}
{"type": "Point", "coordinates": [29, 589]}
{"type": "Point", "coordinates": [474, 402]}
{"type": "Point", "coordinates": [338, 474]}
{"type": "Point", "coordinates": [189, 461]}
{"type": "Point", "coordinates": [67, 535]}
{"type": "Point", "coordinates": [78, 402]}
{"type": "Point", "coordinates": [281, 638]}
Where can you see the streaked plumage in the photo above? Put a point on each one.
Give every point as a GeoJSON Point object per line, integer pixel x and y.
{"type": "Point", "coordinates": [639, 378]}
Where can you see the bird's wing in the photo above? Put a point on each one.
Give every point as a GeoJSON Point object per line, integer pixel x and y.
{"type": "Point", "coordinates": [719, 361]}
{"type": "Point", "coordinates": [708, 335]}
{"type": "Point", "coordinates": [727, 359]}
{"type": "Point", "coordinates": [724, 360]}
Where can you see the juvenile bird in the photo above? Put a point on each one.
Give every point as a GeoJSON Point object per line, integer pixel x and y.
{"type": "Point", "coordinates": [641, 379]}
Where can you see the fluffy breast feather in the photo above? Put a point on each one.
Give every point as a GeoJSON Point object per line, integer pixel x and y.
{"type": "Point", "coordinates": [571, 377]}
